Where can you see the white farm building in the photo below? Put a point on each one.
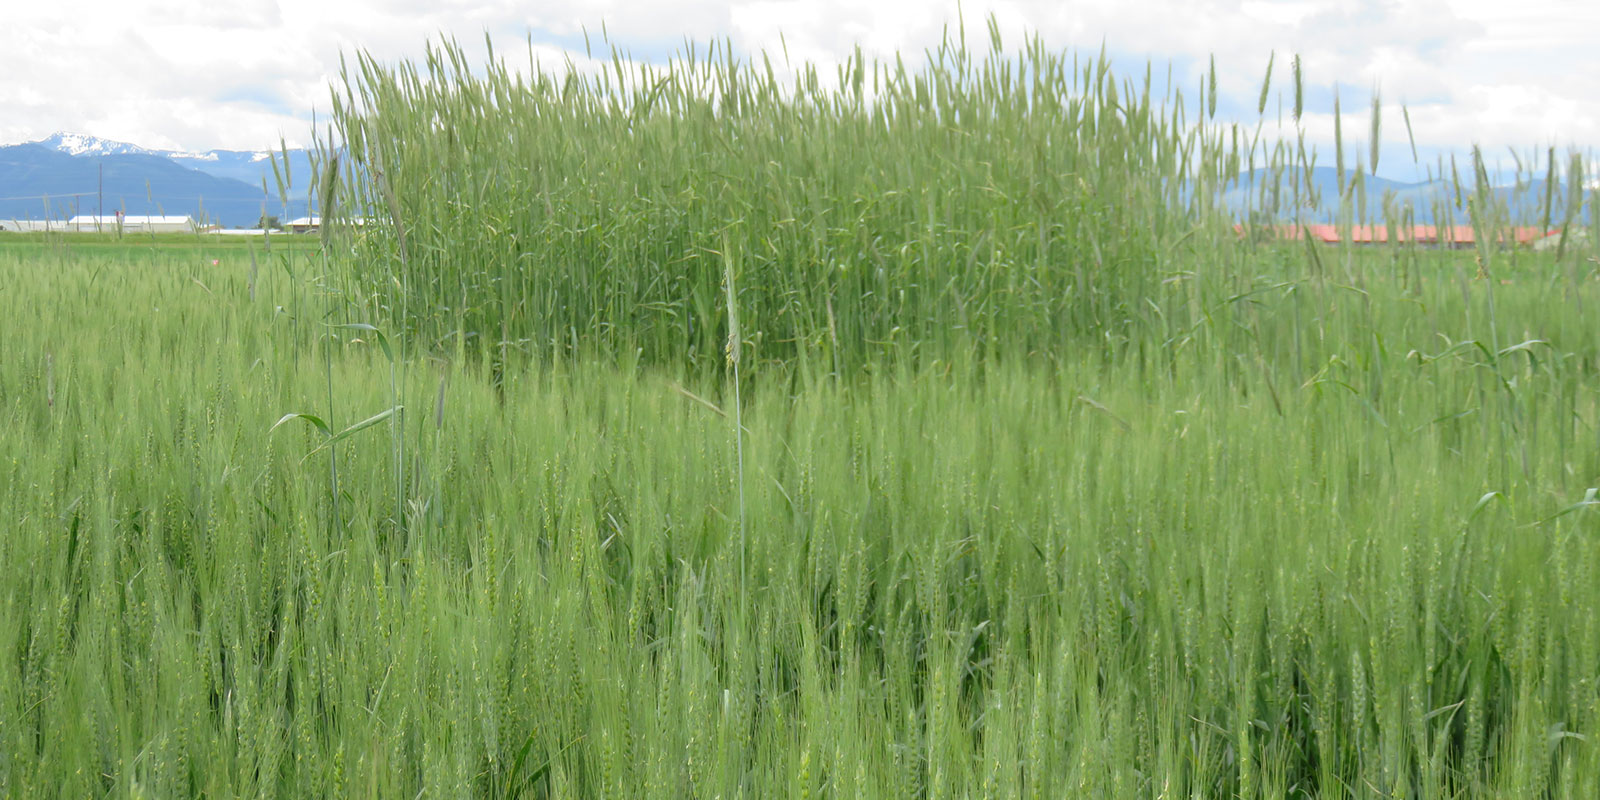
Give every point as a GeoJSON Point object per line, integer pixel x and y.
{"type": "Point", "coordinates": [314, 224]}
{"type": "Point", "coordinates": [28, 225]}
{"type": "Point", "coordinates": [130, 223]}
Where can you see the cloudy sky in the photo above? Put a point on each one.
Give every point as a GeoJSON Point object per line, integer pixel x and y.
{"type": "Point", "coordinates": [185, 75]}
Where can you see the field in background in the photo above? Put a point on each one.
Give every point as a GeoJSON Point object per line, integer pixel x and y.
{"type": "Point", "coordinates": [958, 494]}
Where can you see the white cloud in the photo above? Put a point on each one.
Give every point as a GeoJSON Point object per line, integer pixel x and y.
{"type": "Point", "coordinates": [165, 73]}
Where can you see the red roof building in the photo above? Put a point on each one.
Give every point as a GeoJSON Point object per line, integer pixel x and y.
{"type": "Point", "coordinates": [1428, 235]}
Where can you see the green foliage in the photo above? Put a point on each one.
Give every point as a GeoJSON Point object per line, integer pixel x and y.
{"type": "Point", "coordinates": [1050, 486]}
{"type": "Point", "coordinates": [1248, 556]}
{"type": "Point", "coordinates": [1020, 203]}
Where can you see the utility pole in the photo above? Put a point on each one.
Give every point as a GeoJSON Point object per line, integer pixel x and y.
{"type": "Point", "coordinates": [100, 207]}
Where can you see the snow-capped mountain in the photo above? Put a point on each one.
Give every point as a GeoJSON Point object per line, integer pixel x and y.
{"type": "Point", "coordinates": [67, 173]}
{"type": "Point", "coordinates": [77, 144]}
{"type": "Point", "coordinates": [250, 166]}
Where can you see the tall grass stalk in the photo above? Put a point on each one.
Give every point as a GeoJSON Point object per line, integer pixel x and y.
{"type": "Point", "coordinates": [327, 191]}
{"type": "Point", "coordinates": [735, 345]}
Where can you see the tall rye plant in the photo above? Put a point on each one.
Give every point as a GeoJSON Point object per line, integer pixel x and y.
{"type": "Point", "coordinates": [1008, 203]}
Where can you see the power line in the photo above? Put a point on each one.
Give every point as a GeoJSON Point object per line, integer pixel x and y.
{"type": "Point", "coordinates": [57, 195]}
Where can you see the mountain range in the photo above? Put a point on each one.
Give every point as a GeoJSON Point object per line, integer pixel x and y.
{"type": "Point", "coordinates": [66, 174]}
{"type": "Point", "coordinates": [1290, 195]}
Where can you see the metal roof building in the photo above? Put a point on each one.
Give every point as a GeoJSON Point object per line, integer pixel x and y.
{"type": "Point", "coordinates": [28, 225]}
{"type": "Point", "coordinates": [130, 223]}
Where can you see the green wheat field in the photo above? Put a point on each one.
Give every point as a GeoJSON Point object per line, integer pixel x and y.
{"type": "Point", "coordinates": [915, 431]}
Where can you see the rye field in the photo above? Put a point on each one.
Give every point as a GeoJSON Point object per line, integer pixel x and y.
{"type": "Point", "coordinates": [919, 431]}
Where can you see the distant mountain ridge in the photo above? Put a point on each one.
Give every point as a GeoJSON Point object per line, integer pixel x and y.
{"type": "Point", "coordinates": [77, 144]}
{"type": "Point", "coordinates": [250, 166]}
{"type": "Point", "coordinates": [1429, 201]}
{"type": "Point", "coordinates": [55, 176]}
{"type": "Point", "coordinates": [60, 175]}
